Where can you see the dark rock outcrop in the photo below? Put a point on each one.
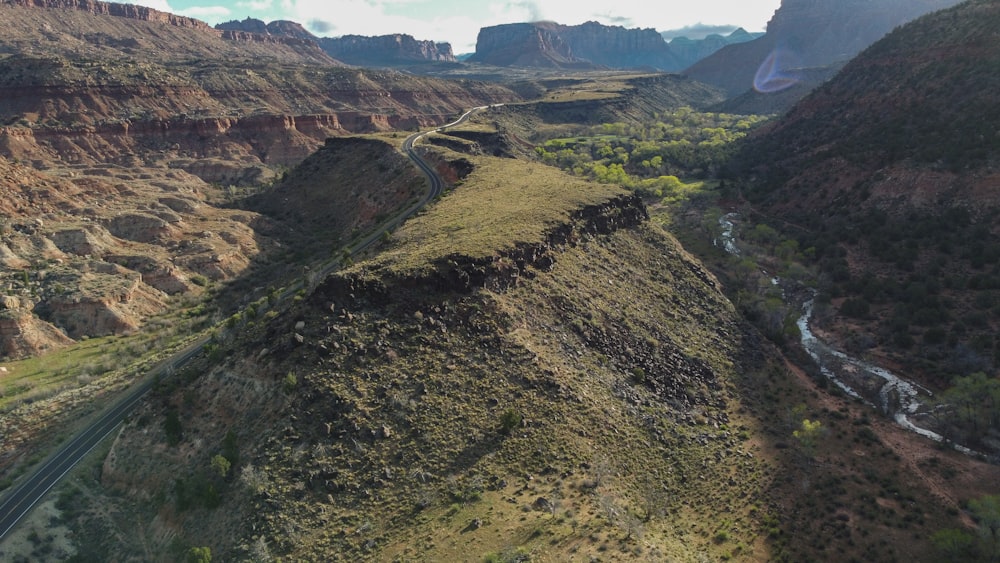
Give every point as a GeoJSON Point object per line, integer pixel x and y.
{"type": "Point", "coordinates": [462, 274]}
{"type": "Point", "coordinates": [384, 50]}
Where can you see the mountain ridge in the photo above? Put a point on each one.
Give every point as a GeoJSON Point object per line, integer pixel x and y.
{"type": "Point", "coordinates": [809, 34]}
{"type": "Point", "coordinates": [549, 44]}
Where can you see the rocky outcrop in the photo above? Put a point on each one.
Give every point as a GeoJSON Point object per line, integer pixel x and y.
{"type": "Point", "coordinates": [108, 299]}
{"type": "Point", "coordinates": [386, 50]}
{"type": "Point", "coordinates": [128, 11]}
{"type": "Point", "coordinates": [23, 335]}
{"type": "Point", "coordinates": [277, 28]}
{"type": "Point", "coordinates": [547, 44]}
{"type": "Point", "coordinates": [462, 274]}
{"type": "Point", "coordinates": [618, 47]}
{"type": "Point", "coordinates": [808, 34]}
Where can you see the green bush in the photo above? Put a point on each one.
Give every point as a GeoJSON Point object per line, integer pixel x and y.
{"type": "Point", "coordinates": [509, 420]}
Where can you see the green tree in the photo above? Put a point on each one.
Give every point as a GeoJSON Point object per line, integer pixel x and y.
{"type": "Point", "coordinates": [220, 465]}
{"type": "Point", "coordinates": [954, 545]}
{"type": "Point", "coordinates": [986, 512]}
{"type": "Point", "coordinates": [199, 555]}
{"type": "Point", "coordinates": [808, 435]}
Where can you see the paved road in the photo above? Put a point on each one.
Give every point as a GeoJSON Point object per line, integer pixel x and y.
{"type": "Point", "coordinates": [18, 501]}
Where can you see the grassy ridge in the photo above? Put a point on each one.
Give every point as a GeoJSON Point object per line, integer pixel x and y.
{"type": "Point", "coordinates": [503, 202]}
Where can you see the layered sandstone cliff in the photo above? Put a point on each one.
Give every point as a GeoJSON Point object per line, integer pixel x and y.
{"type": "Point", "coordinates": [547, 44]}
{"type": "Point", "coordinates": [386, 50]}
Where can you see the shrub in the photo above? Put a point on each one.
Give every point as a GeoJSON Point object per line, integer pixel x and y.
{"type": "Point", "coordinates": [509, 420]}
{"type": "Point", "coordinates": [855, 308]}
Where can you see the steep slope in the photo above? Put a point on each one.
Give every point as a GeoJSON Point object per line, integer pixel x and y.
{"type": "Point", "coordinates": [893, 165]}
{"type": "Point", "coordinates": [84, 86]}
{"type": "Point", "coordinates": [548, 44]}
{"type": "Point", "coordinates": [530, 369]}
{"type": "Point", "coordinates": [458, 377]}
{"type": "Point", "coordinates": [808, 34]}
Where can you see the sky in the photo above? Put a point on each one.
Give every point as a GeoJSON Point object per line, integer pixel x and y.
{"type": "Point", "coordinates": [458, 21]}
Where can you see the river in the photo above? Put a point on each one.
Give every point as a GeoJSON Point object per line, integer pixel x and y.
{"type": "Point", "coordinates": [897, 397]}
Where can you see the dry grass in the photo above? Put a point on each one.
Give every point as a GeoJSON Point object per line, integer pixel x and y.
{"type": "Point", "coordinates": [502, 203]}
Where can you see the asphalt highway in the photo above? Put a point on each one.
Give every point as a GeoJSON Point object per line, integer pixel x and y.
{"type": "Point", "coordinates": [18, 501]}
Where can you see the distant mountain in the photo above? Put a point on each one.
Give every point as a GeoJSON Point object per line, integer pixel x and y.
{"type": "Point", "coordinates": [589, 45]}
{"type": "Point", "coordinates": [279, 28]}
{"type": "Point", "coordinates": [807, 34]}
{"type": "Point", "coordinates": [893, 167]}
{"type": "Point", "coordinates": [690, 51]}
{"type": "Point", "coordinates": [386, 50]}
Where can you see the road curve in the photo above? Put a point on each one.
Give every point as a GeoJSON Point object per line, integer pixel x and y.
{"type": "Point", "coordinates": [18, 501]}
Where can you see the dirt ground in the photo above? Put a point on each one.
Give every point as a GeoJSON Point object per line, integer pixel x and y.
{"type": "Point", "coordinates": [40, 537]}
{"type": "Point", "coordinates": [951, 476]}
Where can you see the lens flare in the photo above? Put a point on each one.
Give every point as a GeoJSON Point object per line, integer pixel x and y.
{"type": "Point", "coordinates": [776, 73]}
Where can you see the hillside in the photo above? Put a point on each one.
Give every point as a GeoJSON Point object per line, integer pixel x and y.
{"type": "Point", "coordinates": [124, 130]}
{"type": "Point", "coordinates": [893, 166]}
{"type": "Point", "coordinates": [809, 34]}
{"type": "Point", "coordinates": [222, 104]}
{"type": "Point", "coordinates": [528, 369]}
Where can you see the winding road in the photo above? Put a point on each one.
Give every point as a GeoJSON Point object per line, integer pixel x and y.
{"type": "Point", "coordinates": [19, 500]}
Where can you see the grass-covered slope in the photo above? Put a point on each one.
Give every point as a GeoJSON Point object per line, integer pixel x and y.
{"type": "Point", "coordinates": [583, 405]}
{"type": "Point", "coordinates": [557, 380]}
{"type": "Point", "coordinates": [889, 172]}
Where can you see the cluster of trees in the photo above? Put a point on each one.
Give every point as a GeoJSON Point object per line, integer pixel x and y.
{"type": "Point", "coordinates": [981, 545]}
{"type": "Point", "coordinates": [650, 156]}
{"type": "Point", "coordinates": [930, 288]}
{"type": "Point", "coordinates": [971, 408]}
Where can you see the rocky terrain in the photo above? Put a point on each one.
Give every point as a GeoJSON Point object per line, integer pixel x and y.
{"type": "Point", "coordinates": [809, 34]}
{"type": "Point", "coordinates": [547, 44]}
{"type": "Point", "coordinates": [96, 250]}
{"type": "Point", "coordinates": [531, 368]}
{"type": "Point", "coordinates": [123, 130]}
{"type": "Point", "coordinates": [441, 400]}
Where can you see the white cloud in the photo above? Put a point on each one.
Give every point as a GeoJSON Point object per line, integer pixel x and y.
{"type": "Point", "coordinates": [210, 14]}
{"type": "Point", "coordinates": [256, 5]}
{"type": "Point", "coordinates": [160, 5]}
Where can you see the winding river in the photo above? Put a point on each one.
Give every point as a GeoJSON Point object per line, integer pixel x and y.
{"type": "Point", "coordinates": [893, 395]}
